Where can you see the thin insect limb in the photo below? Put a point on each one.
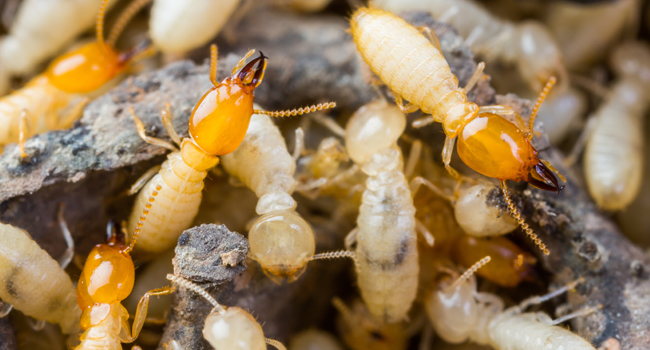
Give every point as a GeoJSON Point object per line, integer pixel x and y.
{"type": "Point", "coordinates": [424, 121]}
{"type": "Point", "coordinates": [67, 256]}
{"type": "Point", "coordinates": [141, 312]}
{"type": "Point", "coordinates": [467, 274]}
{"type": "Point", "coordinates": [591, 86]}
{"type": "Point", "coordinates": [431, 35]}
{"type": "Point", "coordinates": [198, 290]}
{"type": "Point", "coordinates": [23, 130]}
{"type": "Point", "coordinates": [142, 180]}
{"type": "Point", "coordinates": [150, 140]}
{"type": "Point", "coordinates": [275, 344]}
{"type": "Point", "coordinates": [72, 115]}
{"type": "Point", "coordinates": [214, 54]}
{"type": "Point", "coordinates": [419, 181]}
{"type": "Point", "coordinates": [337, 255]}
{"type": "Point", "coordinates": [576, 314]}
{"type": "Point", "coordinates": [343, 309]}
{"type": "Point", "coordinates": [329, 123]}
{"type": "Point", "coordinates": [473, 35]}
{"type": "Point", "coordinates": [351, 238]}
{"type": "Point", "coordinates": [242, 62]}
{"type": "Point", "coordinates": [449, 14]}
{"type": "Point", "coordinates": [166, 117]}
{"type": "Point", "coordinates": [408, 108]}
{"type": "Point", "coordinates": [5, 309]}
{"type": "Point", "coordinates": [426, 234]}
{"type": "Point", "coordinates": [542, 96]}
{"type": "Point", "coordinates": [298, 111]}
{"type": "Point", "coordinates": [543, 298]}
{"type": "Point", "coordinates": [125, 17]}
{"type": "Point", "coordinates": [447, 151]}
{"type": "Point", "coordinates": [580, 144]}
{"type": "Point", "coordinates": [426, 340]}
{"type": "Point", "coordinates": [475, 77]}
{"type": "Point", "coordinates": [99, 25]}
{"type": "Point", "coordinates": [496, 109]}
{"type": "Point", "coordinates": [515, 214]}
{"type": "Point", "coordinates": [299, 144]}
{"type": "Point", "coordinates": [172, 345]}
{"type": "Point", "coordinates": [414, 157]}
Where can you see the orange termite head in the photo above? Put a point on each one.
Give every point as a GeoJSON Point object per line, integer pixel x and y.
{"type": "Point", "coordinates": [220, 119]}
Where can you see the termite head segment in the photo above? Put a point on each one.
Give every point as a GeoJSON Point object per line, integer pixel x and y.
{"type": "Point", "coordinates": [220, 119]}
{"type": "Point", "coordinates": [543, 176]}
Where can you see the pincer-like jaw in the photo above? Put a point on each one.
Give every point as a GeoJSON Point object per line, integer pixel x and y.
{"type": "Point", "coordinates": [540, 176]}
{"type": "Point", "coordinates": [253, 72]}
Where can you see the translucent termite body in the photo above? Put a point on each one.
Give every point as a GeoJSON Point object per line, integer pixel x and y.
{"type": "Point", "coordinates": [34, 283]}
{"type": "Point", "coordinates": [55, 99]}
{"type": "Point", "coordinates": [228, 328]}
{"type": "Point", "coordinates": [217, 126]}
{"type": "Point", "coordinates": [181, 26]}
{"type": "Point", "coordinates": [280, 240]}
{"type": "Point", "coordinates": [417, 71]}
{"type": "Point", "coordinates": [313, 339]}
{"type": "Point", "coordinates": [476, 216]}
{"type": "Point", "coordinates": [459, 313]}
{"type": "Point", "coordinates": [614, 153]}
{"type": "Point", "coordinates": [42, 28]}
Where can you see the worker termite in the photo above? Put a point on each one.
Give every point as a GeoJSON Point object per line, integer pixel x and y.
{"type": "Point", "coordinates": [55, 99]}
{"type": "Point", "coordinates": [313, 339]}
{"type": "Point", "coordinates": [217, 126]}
{"type": "Point", "coordinates": [229, 328]}
{"type": "Point", "coordinates": [42, 28]}
{"type": "Point", "coordinates": [458, 313]}
{"type": "Point", "coordinates": [181, 26]}
{"type": "Point", "coordinates": [33, 282]}
{"type": "Point", "coordinates": [614, 153]}
{"type": "Point", "coordinates": [489, 144]}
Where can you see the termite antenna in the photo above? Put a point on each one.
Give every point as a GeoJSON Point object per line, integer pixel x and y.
{"type": "Point", "coordinates": [515, 214]}
{"type": "Point", "coordinates": [542, 96]}
{"type": "Point", "coordinates": [99, 26]}
{"type": "Point", "coordinates": [275, 344]}
{"type": "Point", "coordinates": [143, 218]}
{"type": "Point", "coordinates": [198, 290]}
{"type": "Point", "coordinates": [125, 17]}
{"type": "Point", "coordinates": [298, 111]}
{"type": "Point", "coordinates": [337, 255]}
{"type": "Point", "coordinates": [214, 54]}
{"type": "Point", "coordinates": [343, 309]}
{"type": "Point", "coordinates": [465, 276]}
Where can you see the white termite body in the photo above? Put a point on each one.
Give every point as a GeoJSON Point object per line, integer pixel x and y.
{"type": "Point", "coordinates": [33, 282]}
{"type": "Point", "coordinates": [479, 218]}
{"type": "Point", "coordinates": [181, 26]}
{"type": "Point", "coordinates": [106, 335]}
{"type": "Point", "coordinates": [42, 28]}
{"type": "Point", "coordinates": [280, 240]}
{"type": "Point", "coordinates": [313, 339]}
{"type": "Point", "coordinates": [614, 153]}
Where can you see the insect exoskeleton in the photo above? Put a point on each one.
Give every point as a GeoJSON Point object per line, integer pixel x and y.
{"type": "Point", "coordinates": [217, 126]}
{"type": "Point", "coordinates": [229, 328]}
{"type": "Point", "coordinates": [459, 313]}
{"type": "Point", "coordinates": [614, 153]}
{"type": "Point", "coordinates": [42, 28]}
{"type": "Point", "coordinates": [181, 26]}
{"type": "Point", "coordinates": [487, 142]}
{"type": "Point", "coordinates": [360, 330]}
{"type": "Point", "coordinates": [313, 339]}
{"type": "Point", "coordinates": [34, 283]}
{"type": "Point", "coordinates": [56, 98]}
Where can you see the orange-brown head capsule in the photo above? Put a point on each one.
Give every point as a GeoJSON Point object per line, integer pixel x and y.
{"type": "Point", "coordinates": [219, 121]}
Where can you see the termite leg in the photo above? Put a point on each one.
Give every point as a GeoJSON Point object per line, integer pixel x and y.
{"type": "Point", "coordinates": [474, 79]}
{"type": "Point", "coordinates": [67, 256]}
{"type": "Point", "coordinates": [408, 108]}
{"type": "Point", "coordinates": [329, 123]}
{"type": "Point", "coordinates": [276, 344]}
{"type": "Point", "coordinates": [5, 309]}
{"type": "Point", "coordinates": [142, 180]}
{"type": "Point", "coordinates": [422, 230]}
{"type": "Point", "coordinates": [351, 238]}
{"type": "Point", "coordinates": [148, 139]}
{"type": "Point", "coordinates": [418, 181]}
{"type": "Point", "coordinates": [172, 345]}
{"type": "Point", "coordinates": [579, 313]}
{"type": "Point", "coordinates": [141, 314]}
{"type": "Point", "coordinates": [166, 117]}
{"type": "Point", "coordinates": [431, 35]}
{"type": "Point", "coordinates": [242, 62]}
{"type": "Point", "coordinates": [299, 144]}
{"type": "Point", "coordinates": [517, 309]}
{"type": "Point", "coordinates": [426, 340]}
{"type": "Point", "coordinates": [72, 115]}
{"type": "Point", "coordinates": [447, 151]}
{"type": "Point", "coordinates": [497, 109]}
{"type": "Point", "coordinates": [214, 56]}
{"type": "Point", "coordinates": [23, 130]}
{"type": "Point", "coordinates": [414, 156]}
{"type": "Point", "coordinates": [418, 123]}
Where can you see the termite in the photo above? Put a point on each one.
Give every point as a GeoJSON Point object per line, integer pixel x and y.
{"type": "Point", "coordinates": [489, 144]}
{"type": "Point", "coordinates": [614, 153]}
{"type": "Point", "coordinates": [217, 126]}
{"type": "Point", "coordinates": [280, 240]}
{"type": "Point", "coordinates": [180, 26]}
{"type": "Point", "coordinates": [229, 328]}
{"type": "Point", "coordinates": [34, 283]}
{"type": "Point", "coordinates": [313, 339]}
{"type": "Point", "coordinates": [459, 313]}
{"type": "Point", "coordinates": [303, 5]}
{"type": "Point", "coordinates": [56, 98]}
{"type": "Point", "coordinates": [42, 28]}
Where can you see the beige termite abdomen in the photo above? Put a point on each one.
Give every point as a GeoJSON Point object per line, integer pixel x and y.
{"type": "Point", "coordinates": [387, 247]}
{"type": "Point", "coordinates": [176, 205]}
{"type": "Point", "coordinates": [33, 282]}
{"type": "Point", "coordinates": [614, 153]}
{"type": "Point", "coordinates": [105, 335]}
{"type": "Point", "coordinates": [532, 331]}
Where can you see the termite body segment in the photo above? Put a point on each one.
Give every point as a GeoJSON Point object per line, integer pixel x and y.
{"type": "Point", "coordinates": [280, 240]}
{"type": "Point", "coordinates": [33, 282]}
{"type": "Point", "coordinates": [614, 153]}
{"type": "Point", "coordinates": [55, 99]}
{"type": "Point", "coordinates": [313, 339]}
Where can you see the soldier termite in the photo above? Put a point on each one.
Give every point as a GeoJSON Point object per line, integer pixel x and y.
{"type": "Point", "coordinates": [229, 328]}
{"type": "Point", "coordinates": [313, 339]}
{"type": "Point", "coordinates": [217, 126]}
{"type": "Point", "coordinates": [55, 99]}
{"type": "Point", "coordinates": [181, 26]}
{"type": "Point", "coordinates": [614, 153]}
{"type": "Point", "coordinates": [488, 143]}
{"type": "Point", "coordinates": [459, 313]}
{"type": "Point", "coordinates": [34, 283]}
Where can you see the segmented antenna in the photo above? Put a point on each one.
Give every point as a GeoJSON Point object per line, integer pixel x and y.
{"type": "Point", "coordinates": [298, 111]}
{"type": "Point", "coordinates": [275, 343]}
{"type": "Point", "coordinates": [143, 218]}
{"type": "Point", "coordinates": [198, 290]}
{"type": "Point", "coordinates": [465, 276]}
{"type": "Point", "coordinates": [214, 54]}
{"type": "Point", "coordinates": [337, 255]}
{"type": "Point", "coordinates": [124, 19]}
{"type": "Point", "coordinates": [99, 26]}
{"type": "Point", "coordinates": [542, 95]}
{"type": "Point", "coordinates": [515, 214]}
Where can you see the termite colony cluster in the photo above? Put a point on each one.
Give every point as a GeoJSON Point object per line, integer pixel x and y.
{"type": "Point", "coordinates": [436, 205]}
